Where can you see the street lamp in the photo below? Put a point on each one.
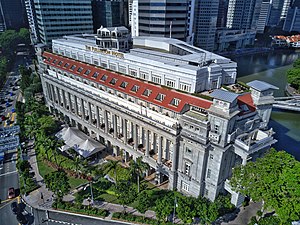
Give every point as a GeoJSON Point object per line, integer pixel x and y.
{"type": "Point", "coordinates": [91, 188]}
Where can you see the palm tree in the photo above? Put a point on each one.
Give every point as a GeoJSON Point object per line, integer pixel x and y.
{"type": "Point", "coordinates": [112, 165]}
{"type": "Point", "coordinates": [77, 162]}
{"type": "Point", "coordinates": [138, 167]}
{"type": "Point", "coordinates": [31, 125]}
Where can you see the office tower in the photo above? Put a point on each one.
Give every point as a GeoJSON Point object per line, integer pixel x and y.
{"type": "Point", "coordinates": [263, 16]}
{"type": "Point", "coordinates": [56, 18]}
{"type": "Point", "coordinates": [13, 15]}
{"type": "Point", "coordinates": [140, 103]}
{"type": "Point", "coordinates": [205, 23]}
{"type": "Point", "coordinates": [222, 13]}
{"type": "Point", "coordinates": [162, 18]}
{"type": "Point", "coordinates": [275, 12]}
{"type": "Point", "coordinates": [292, 21]}
{"type": "Point", "coordinates": [285, 8]}
{"type": "Point", "coordinates": [240, 14]}
{"type": "Point", "coordinates": [31, 17]}
{"type": "Point", "coordinates": [109, 13]}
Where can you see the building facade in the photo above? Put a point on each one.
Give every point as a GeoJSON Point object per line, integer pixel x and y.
{"type": "Point", "coordinates": [292, 20]}
{"type": "Point", "coordinates": [161, 18]}
{"type": "Point", "coordinates": [112, 13]}
{"type": "Point", "coordinates": [56, 18]}
{"type": "Point", "coordinates": [31, 17]}
{"type": "Point", "coordinates": [12, 15]}
{"type": "Point", "coordinates": [189, 142]}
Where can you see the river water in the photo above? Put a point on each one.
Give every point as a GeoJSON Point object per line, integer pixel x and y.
{"type": "Point", "coordinates": [272, 67]}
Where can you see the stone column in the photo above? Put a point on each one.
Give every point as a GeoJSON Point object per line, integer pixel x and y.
{"type": "Point", "coordinates": [70, 102]}
{"type": "Point", "coordinates": [154, 141]}
{"type": "Point", "coordinates": [135, 136]}
{"type": "Point", "coordinates": [166, 152]}
{"type": "Point", "coordinates": [53, 93]}
{"type": "Point", "coordinates": [147, 143]}
{"type": "Point", "coordinates": [174, 158]}
{"type": "Point", "coordinates": [58, 96]}
{"type": "Point", "coordinates": [115, 125]}
{"type": "Point", "coordinates": [125, 130]}
{"type": "Point", "coordinates": [105, 121]}
{"type": "Point", "coordinates": [160, 149]}
{"type": "Point", "coordinates": [82, 109]}
{"type": "Point", "coordinates": [76, 105]}
{"type": "Point", "coordinates": [90, 113]}
{"type": "Point", "coordinates": [49, 92]}
{"type": "Point", "coordinates": [64, 99]}
{"type": "Point", "coordinates": [98, 116]}
{"type": "Point", "coordinates": [142, 136]}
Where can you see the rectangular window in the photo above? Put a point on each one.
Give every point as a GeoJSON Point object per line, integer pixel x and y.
{"type": "Point", "coordinates": [147, 92]}
{"type": "Point", "coordinates": [185, 186]}
{"type": "Point", "coordinates": [208, 173]}
{"type": "Point", "coordinates": [122, 69]}
{"type": "Point", "coordinates": [95, 75]}
{"type": "Point", "coordinates": [205, 191]}
{"type": "Point", "coordinates": [104, 65]}
{"type": "Point", "coordinates": [187, 169]}
{"type": "Point", "coordinates": [79, 69]}
{"type": "Point", "coordinates": [188, 150]}
{"type": "Point", "coordinates": [211, 156]}
{"type": "Point", "coordinates": [175, 101]}
{"type": "Point", "coordinates": [144, 75]}
{"type": "Point", "coordinates": [96, 62]}
{"type": "Point", "coordinates": [54, 61]}
{"type": "Point", "coordinates": [123, 84]}
{"type": "Point", "coordinates": [132, 72]}
{"type": "Point", "coordinates": [185, 87]}
{"type": "Point", "coordinates": [60, 62]}
{"type": "Point", "coordinates": [87, 72]}
{"type": "Point", "coordinates": [170, 83]}
{"type": "Point", "coordinates": [73, 67]}
{"type": "Point", "coordinates": [113, 81]}
{"type": "Point", "coordinates": [156, 79]}
{"type": "Point", "coordinates": [104, 78]}
{"type": "Point", "coordinates": [66, 65]}
{"type": "Point", "coordinates": [135, 88]}
{"type": "Point", "coordinates": [113, 67]}
{"type": "Point", "coordinates": [160, 97]}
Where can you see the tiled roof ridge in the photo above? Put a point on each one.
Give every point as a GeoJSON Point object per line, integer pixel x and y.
{"type": "Point", "coordinates": [170, 93]}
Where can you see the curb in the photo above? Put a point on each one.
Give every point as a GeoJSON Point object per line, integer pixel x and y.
{"type": "Point", "coordinates": [75, 214]}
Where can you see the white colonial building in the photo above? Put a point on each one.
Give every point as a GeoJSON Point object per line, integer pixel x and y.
{"type": "Point", "coordinates": [144, 101]}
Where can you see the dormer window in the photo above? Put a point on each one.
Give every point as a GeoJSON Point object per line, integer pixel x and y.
{"type": "Point", "coordinates": [49, 59]}
{"type": "Point", "coordinates": [66, 65]}
{"type": "Point", "coordinates": [54, 61]}
{"type": "Point", "coordinates": [104, 77]}
{"type": "Point", "coordinates": [73, 67]}
{"type": "Point", "coordinates": [113, 81]}
{"type": "Point", "coordinates": [60, 63]}
{"type": "Point", "coordinates": [147, 92]}
{"type": "Point", "coordinates": [79, 69]}
{"type": "Point", "coordinates": [135, 88]}
{"type": "Point", "coordinates": [87, 72]}
{"type": "Point", "coordinates": [123, 84]}
{"type": "Point", "coordinates": [95, 75]}
{"type": "Point", "coordinates": [175, 101]}
{"type": "Point", "coordinates": [160, 97]}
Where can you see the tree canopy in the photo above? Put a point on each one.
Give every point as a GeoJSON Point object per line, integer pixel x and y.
{"type": "Point", "coordinates": [293, 75]}
{"type": "Point", "coordinates": [58, 182]}
{"type": "Point", "coordinates": [273, 179]}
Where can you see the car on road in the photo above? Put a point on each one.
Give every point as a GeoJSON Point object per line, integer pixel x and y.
{"type": "Point", "coordinates": [11, 193]}
{"type": "Point", "coordinates": [14, 207]}
{"type": "Point", "coordinates": [22, 219]}
{"type": "Point", "coordinates": [13, 110]}
{"type": "Point", "coordinates": [3, 117]}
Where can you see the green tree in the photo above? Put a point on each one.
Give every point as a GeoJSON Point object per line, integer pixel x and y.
{"type": "Point", "coordinates": [144, 202]}
{"type": "Point", "coordinates": [126, 193]}
{"type": "Point", "coordinates": [137, 168]}
{"type": "Point", "coordinates": [274, 180]}
{"type": "Point", "coordinates": [164, 206]}
{"type": "Point", "coordinates": [47, 124]}
{"type": "Point", "coordinates": [58, 183]}
{"type": "Point", "coordinates": [185, 209]}
{"type": "Point", "coordinates": [112, 165]}
{"type": "Point", "coordinates": [296, 64]}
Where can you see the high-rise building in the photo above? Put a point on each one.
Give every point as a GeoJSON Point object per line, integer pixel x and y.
{"type": "Point", "coordinates": [263, 15]}
{"type": "Point", "coordinates": [205, 23]}
{"type": "Point", "coordinates": [31, 17]}
{"type": "Point", "coordinates": [285, 8]}
{"type": "Point", "coordinates": [120, 98]}
{"type": "Point", "coordinates": [275, 12]}
{"type": "Point", "coordinates": [162, 18]}
{"type": "Point", "coordinates": [56, 18]}
{"type": "Point", "coordinates": [292, 20]}
{"type": "Point", "coordinates": [12, 15]}
{"type": "Point", "coordinates": [109, 13]}
{"type": "Point", "coordinates": [240, 14]}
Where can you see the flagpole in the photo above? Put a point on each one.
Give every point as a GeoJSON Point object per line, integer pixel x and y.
{"type": "Point", "coordinates": [174, 210]}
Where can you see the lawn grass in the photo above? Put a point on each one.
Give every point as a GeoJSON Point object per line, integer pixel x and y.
{"type": "Point", "coordinates": [109, 198]}
{"type": "Point", "coordinates": [43, 168]}
{"type": "Point", "coordinates": [75, 182]}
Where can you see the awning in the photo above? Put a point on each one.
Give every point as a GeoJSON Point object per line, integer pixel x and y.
{"type": "Point", "coordinates": [80, 142]}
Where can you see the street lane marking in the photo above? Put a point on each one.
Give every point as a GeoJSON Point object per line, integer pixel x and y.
{"type": "Point", "coordinates": [8, 173]}
{"type": "Point", "coordinates": [8, 201]}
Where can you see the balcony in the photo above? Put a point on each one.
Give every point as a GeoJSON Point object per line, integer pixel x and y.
{"type": "Point", "coordinates": [255, 141]}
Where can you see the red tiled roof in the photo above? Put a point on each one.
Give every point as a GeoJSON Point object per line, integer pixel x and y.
{"type": "Point", "coordinates": [246, 99]}
{"type": "Point", "coordinates": [53, 60]}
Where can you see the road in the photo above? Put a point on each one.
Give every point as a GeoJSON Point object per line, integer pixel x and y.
{"type": "Point", "coordinates": [8, 174]}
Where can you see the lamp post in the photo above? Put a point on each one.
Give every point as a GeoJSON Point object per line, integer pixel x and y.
{"type": "Point", "coordinates": [175, 205]}
{"type": "Point", "coordinates": [91, 188]}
